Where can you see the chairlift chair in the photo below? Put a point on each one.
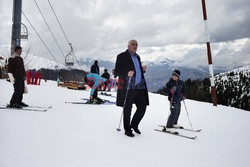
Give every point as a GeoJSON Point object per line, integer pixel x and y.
{"type": "Point", "coordinates": [69, 58]}
{"type": "Point", "coordinates": [24, 31]}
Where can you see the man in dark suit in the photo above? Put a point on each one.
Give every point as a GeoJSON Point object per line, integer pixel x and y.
{"type": "Point", "coordinates": [128, 65]}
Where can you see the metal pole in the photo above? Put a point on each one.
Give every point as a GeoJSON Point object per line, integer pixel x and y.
{"type": "Point", "coordinates": [16, 25]}
{"type": "Point", "coordinates": [188, 115]}
{"type": "Point", "coordinates": [125, 100]}
{"type": "Point", "coordinates": [209, 55]}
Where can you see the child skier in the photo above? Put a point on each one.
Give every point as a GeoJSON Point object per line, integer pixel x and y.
{"type": "Point", "coordinates": [175, 89]}
{"type": "Point", "coordinates": [94, 81]}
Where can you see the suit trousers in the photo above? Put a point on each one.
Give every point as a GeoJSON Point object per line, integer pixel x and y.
{"type": "Point", "coordinates": [136, 96]}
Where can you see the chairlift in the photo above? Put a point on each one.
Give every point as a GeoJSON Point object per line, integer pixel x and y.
{"type": "Point", "coordinates": [69, 58]}
{"type": "Point", "coordinates": [24, 31]}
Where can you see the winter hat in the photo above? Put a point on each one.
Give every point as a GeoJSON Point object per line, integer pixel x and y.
{"type": "Point", "coordinates": [177, 73]}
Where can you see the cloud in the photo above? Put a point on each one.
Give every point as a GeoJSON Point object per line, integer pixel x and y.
{"type": "Point", "coordinates": [101, 29]}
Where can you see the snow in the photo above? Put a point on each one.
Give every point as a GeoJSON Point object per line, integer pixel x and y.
{"type": "Point", "coordinates": [85, 135]}
{"type": "Point", "coordinates": [36, 62]}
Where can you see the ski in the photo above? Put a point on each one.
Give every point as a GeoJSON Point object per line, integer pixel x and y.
{"type": "Point", "coordinates": [42, 107]}
{"type": "Point", "coordinates": [177, 134]}
{"type": "Point", "coordinates": [81, 102]}
{"type": "Point", "coordinates": [105, 101]}
{"type": "Point", "coordinates": [107, 94]}
{"type": "Point", "coordinates": [25, 109]}
{"type": "Point", "coordinates": [191, 130]}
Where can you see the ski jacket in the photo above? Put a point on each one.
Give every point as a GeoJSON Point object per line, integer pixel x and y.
{"type": "Point", "coordinates": [95, 69]}
{"type": "Point", "coordinates": [97, 81]}
{"type": "Point", "coordinates": [105, 75]}
{"type": "Point", "coordinates": [180, 90]}
{"type": "Point", "coordinates": [16, 66]}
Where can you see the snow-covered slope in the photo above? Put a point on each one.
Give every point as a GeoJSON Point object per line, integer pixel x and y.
{"type": "Point", "coordinates": [36, 62]}
{"type": "Point", "coordinates": [234, 74]}
{"type": "Point", "coordinates": [85, 135]}
{"type": "Point", "coordinates": [234, 87]}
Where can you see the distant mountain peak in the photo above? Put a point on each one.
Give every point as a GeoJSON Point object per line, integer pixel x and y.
{"type": "Point", "coordinates": [37, 62]}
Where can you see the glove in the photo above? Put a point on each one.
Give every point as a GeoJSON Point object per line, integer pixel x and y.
{"type": "Point", "coordinates": [12, 79]}
{"type": "Point", "coordinates": [172, 90]}
{"type": "Point", "coordinates": [25, 88]}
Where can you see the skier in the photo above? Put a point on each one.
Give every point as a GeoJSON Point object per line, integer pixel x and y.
{"type": "Point", "coordinates": [94, 81]}
{"type": "Point", "coordinates": [106, 76]}
{"type": "Point", "coordinates": [95, 68]}
{"type": "Point", "coordinates": [16, 73]}
{"type": "Point", "coordinates": [175, 89]}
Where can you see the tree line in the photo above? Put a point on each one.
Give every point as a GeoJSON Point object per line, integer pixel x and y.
{"type": "Point", "coordinates": [232, 89]}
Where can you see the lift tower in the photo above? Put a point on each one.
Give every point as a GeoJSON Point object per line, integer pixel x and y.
{"type": "Point", "coordinates": [16, 25]}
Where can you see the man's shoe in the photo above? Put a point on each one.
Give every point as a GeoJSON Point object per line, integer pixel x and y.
{"type": "Point", "coordinates": [129, 133]}
{"type": "Point", "coordinates": [23, 104]}
{"type": "Point", "coordinates": [14, 106]}
{"type": "Point", "coordinates": [137, 130]}
{"type": "Point", "coordinates": [170, 130]}
{"type": "Point", "coordinates": [177, 126]}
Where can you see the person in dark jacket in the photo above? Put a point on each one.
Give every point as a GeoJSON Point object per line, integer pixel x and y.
{"type": "Point", "coordinates": [16, 73]}
{"type": "Point", "coordinates": [128, 65]}
{"type": "Point", "coordinates": [105, 75]}
{"type": "Point", "coordinates": [175, 89]}
{"type": "Point", "coordinates": [95, 68]}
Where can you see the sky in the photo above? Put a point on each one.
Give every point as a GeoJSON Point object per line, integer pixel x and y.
{"type": "Point", "coordinates": [172, 29]}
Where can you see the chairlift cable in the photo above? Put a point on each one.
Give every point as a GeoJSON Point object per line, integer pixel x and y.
{"type": "Point", "coordinates": [49, 29]}
{"type": "Point", "coordinates": [41, 39]}
{"type": "Point", "coordinates": [58, 21]}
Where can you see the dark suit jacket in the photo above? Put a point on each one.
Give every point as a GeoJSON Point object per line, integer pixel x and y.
{"type": "Point", "coordinates": [124, 64]}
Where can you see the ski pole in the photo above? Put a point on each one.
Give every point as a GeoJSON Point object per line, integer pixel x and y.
{"type": "Point", "coordinates": [172, 98]}
{"type": "Point", "coordinates": [125, 100]}
{"type": "Point", "coordinates": [188, 115]}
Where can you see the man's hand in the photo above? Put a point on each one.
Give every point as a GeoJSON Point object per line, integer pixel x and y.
{"type": "Point", "coordinates": [144, 68]}
{"type": "Point", "coordinates": [183, 97]}
{"type": "Point", "coordinates": [172, 90]}
{"type": "Point", "coordinates": [130, 74]}
{"type": "Point", "coordinates": [91, 97]}
{"type": "Point", "coordinates": [12, 79]}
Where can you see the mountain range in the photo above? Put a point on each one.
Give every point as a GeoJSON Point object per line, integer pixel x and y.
{"type": "Point", "coordinates": [158, 71]}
